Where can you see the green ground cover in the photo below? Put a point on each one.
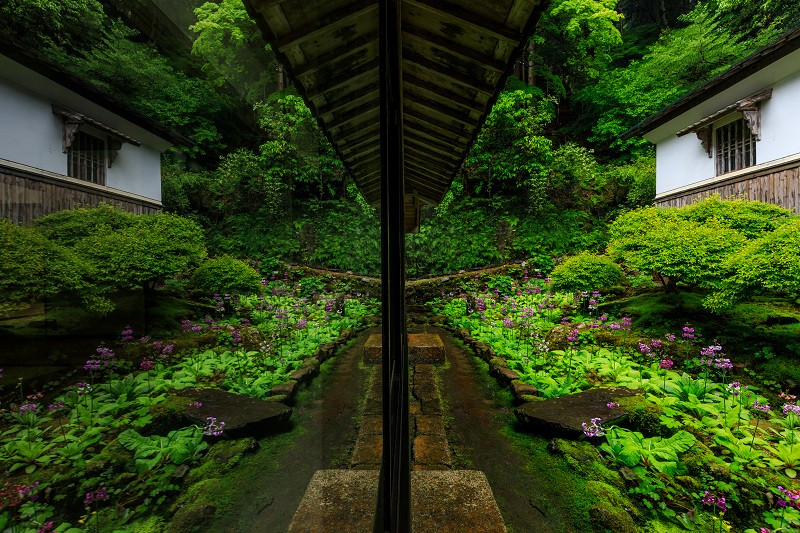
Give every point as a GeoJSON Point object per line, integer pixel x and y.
{"type": "Point", "coordinates": [107, 448]}
{"type": "Point", "coordinates": [714, 445]}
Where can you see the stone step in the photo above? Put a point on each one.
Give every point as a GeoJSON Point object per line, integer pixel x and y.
{"type": "Point", "coordinates": [423, 348]}
{"type": "Point", "coordinates": [344, 501]}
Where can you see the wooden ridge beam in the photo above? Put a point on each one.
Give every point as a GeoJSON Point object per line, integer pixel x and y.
{"type": "Point", "coordinates": [339, 120]}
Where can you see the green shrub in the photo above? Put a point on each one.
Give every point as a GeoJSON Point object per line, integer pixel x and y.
{"type": "Point", "coordinates": [226, 274]}
{"type": "Point", "coordinates": [504, 285]}
{"type": "Point", "coordinates": [32, 265]}
{"type": "Point", "coordinates": [70, 227]}
{"type": "Point", "coordinates": [586, 271]}
{"type": "Point", "coordinates": [152, 249]}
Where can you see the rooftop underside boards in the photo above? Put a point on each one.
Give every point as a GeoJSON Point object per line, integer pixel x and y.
{"type": "Point", "coordinates": [455, 59]}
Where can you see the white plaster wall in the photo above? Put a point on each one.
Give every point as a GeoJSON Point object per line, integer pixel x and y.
{"type": "Point", "coordinates": [31, 134]}
{"type": "Point", "coordinates": [780, 118]}
{"type": "Point", "coordinates": [29, 131]}
{"type": "Point", "coordinates": [681, 161]}
{"type": "Point", "coordinates": [136, 170]}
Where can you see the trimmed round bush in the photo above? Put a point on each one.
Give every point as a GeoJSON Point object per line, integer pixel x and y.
{"type": "Point", "coordinates": [586, 271]}
{"type": "Point", "coordinates": [226, 274]}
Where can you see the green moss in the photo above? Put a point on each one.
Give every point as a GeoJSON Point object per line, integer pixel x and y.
{"type": "Point", "coordinates": [700, 459]}
{"type": "Point", "coordinates": [169, 414]}
{"type": "Point", "coordinates": [644, 416]}
{"type": "Point", "coordinates": [276, 398]}
{"type": "Point", "coordinates": [114, 456]}
{"type": "Point", "coordinates": [582, 456]}
{"type": "Point", "coordinates": [194, 507]}
{"type": "Point", "coordinates": [223, 457]}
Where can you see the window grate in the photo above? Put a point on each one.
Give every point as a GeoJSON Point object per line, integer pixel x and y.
{"type": "Point", "coordinates": [736, 147]}
{"type": "Point", "coordinates": [86, 158]}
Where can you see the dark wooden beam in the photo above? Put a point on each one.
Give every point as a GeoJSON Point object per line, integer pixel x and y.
{"type": "Point", "coordinates": [450, 72]}
{"type": "Point", "coordinates": [430, 147]}
{"type": "Point", "coordinates": [327, 23]}
{"type": "Point", "coordinates": [426, 161]}
{"type": "Point", "coordinates": [456, 49]}
{"type": "Point", "coordinates": [340, 120]}
{"type": "Point", "coordinates": [419, 130]}
{"type": "Point", "coordinates": [423, 154]}
{"type": "Point", "coordinates": [344, 78]}
{"type": "Point", "coordinates": [337, 54]}
{"type": "Point", "coordinates": [355, 143]}
{"type": "Point", "coordinates": [454, 13]}
{"type": "Point", "coordinates": [430, 171]}
{"type": "Point", "coordinates": [368, 90]}
{"type": "Point", "coordinates": [459, 115]}
{"type": "Point", "coordinates": [436, 123]}
{"type": "Point", "coordinates": [447, 94]}
{"type": "Point", "coordinates": [357, 129]}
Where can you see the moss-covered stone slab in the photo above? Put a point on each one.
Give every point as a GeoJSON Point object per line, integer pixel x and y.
{"type": "Point", "coordinates": [564, 415]}
{"type": "Point", "coordinates": [441, 502]}
{"type": "Point", "coordinates": [243, 416]}
{"type": "Point", "coordinates": [423, 348]}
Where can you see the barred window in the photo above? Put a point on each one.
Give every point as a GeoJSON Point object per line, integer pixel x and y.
{"type": "Point", "coordinates": [86, 158]}
{"type": "Point", "coordinates": [736, 147]}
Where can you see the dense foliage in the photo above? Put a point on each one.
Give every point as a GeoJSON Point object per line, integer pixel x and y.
{"type": "Point", "coordinates": [225, 274]}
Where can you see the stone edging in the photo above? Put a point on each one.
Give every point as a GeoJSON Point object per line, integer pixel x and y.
{"type": "Point", "coordinates": [498, 366]}
{"type": "Point", "coordinates": [285, 392]}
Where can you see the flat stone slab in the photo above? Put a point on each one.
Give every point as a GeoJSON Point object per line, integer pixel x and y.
{"type": "Point", "coordinates": [430, 425]}
{"type": "Point", "coordinates": [368, 450]}
{"type": "Point", "coordinates": [423, 348]}
{"type": "Point", "coordinates": [243, 416]}
{"type": "Point", "coordinates": [432, 450]}
{"type": "Point", "coordinates": [564, 415]}
{"type": "Point", "coordinates": [441, 502]}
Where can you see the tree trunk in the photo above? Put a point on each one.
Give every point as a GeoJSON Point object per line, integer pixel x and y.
{"type": "Point", "coordinates": [280, 85]}
{"type": "Point", "coordinates": [531, 75]}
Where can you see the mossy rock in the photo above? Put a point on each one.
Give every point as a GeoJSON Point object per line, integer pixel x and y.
{"type": "Point", "coordinates": [700, 459]}
{"type": "Point", "coordinates": [605, 519]}
{"type": "Point", "coordinates": [277, 398]}
{"type": "Point", "coordinates": [688, 482]}
{"type": "Point", "coordinates": [222, 458]}
{"type": "Point", "coordinates": [113, 456]}
{"type": "Point", "coordinates": [525, 398]}
{"type": "Point", "coordinates": [583, 457]}
{"type": "Point", "coordinates": [644, 416]}
{"type": "Point", "coordinates": [194, 507]}
{"type": "Point", "coordinates": [168, 415]}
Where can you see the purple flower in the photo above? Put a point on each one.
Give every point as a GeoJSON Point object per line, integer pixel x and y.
{"type": "Point", "coordinates": [146, 365]}
{"type": "Point", "coordinates": [93, 364]}
{"type": "Point", "coordinates": [791, 408]}
{"type": "Point", "coordinates": [92, 497]}
{"type": "Point", "coordinates": [196, 404]}
{"type": "Point", "coordinates": [55, 407]}
{"type": "Point", "coordinates": [670, 337]}
{"type": "Point", "coordinates": [28, 491]}
{"type": "Point", "coordinates": [593, 429]}
{"type": "Point", "coordinates": [666, 364]}
{"type": "Point", "coordinates": [760, 407]}
{"type": "Point", "coordinates": [713, 500]}
{"type": "Point", "coordinates": [612, 405]}
{"type": "Point", "coordinates": [212, 427]}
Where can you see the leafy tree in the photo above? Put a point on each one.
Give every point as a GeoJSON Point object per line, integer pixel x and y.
{"type": "Point", "coordinates": [233, 50]}
{"type": "Point", "coordinates": [510, 154]}
{"type": "Point", "coordinates": [677, 249]}
{"type": "Point", "coordinates": [71, 226]}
